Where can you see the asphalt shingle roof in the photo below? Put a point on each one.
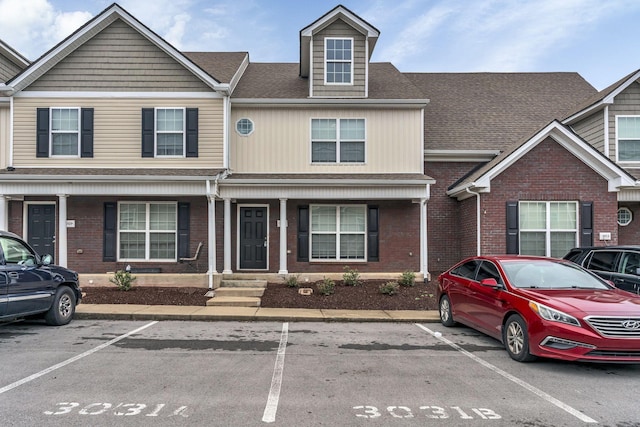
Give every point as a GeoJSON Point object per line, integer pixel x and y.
{"type": "Point", "coordinates": [222, 66]}
{"type": "Point", "coordinates": [491, 111]}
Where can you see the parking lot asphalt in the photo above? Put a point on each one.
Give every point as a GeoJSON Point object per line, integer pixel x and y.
{"type": "Point", "coordinates": [172, 312]}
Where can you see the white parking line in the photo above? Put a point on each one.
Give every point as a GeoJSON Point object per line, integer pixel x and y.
{"type": "Point", "coordinates": [269, 414]}
{"type": "Point", "coordinates": [73, 359]}
{"type": "Point", "coordinates": [582, 417]}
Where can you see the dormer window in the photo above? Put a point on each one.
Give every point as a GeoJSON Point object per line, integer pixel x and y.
{"type": "Point", "coordinates": [338, 61]}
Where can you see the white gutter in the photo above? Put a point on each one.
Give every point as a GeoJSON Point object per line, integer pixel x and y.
{"type": "Point", "coordinates": [606, 131]}
{"type": "Point", "coordinates": [11, 119]}
{"type": "Point", "coordinates": [477, 218]}
{"type": "Point", "coordinates": [226, 119]}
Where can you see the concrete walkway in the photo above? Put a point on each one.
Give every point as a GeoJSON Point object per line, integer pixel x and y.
{"type": "Point", "coordinates": [173, 312]}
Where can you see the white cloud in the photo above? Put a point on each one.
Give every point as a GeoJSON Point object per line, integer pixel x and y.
{"type": "Point", "coordinates": [33, 26]}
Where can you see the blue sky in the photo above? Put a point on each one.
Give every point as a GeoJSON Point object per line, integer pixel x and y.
{"type": "Point", "coordinates": [591, 37]}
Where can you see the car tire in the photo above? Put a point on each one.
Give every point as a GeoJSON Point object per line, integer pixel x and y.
{"type": "Point", "coordinates": [516, 339]}
{"type": "Point", "coordinates": [63, 307]}
{"type": "Point", "coordinates": [446, 314]}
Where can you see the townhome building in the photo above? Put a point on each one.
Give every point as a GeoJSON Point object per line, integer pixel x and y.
{"type": "Point", "coordinates": [118, 150]}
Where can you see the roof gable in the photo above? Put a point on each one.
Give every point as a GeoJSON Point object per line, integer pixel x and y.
{"type": "Point", "coordinates": [479, 181]}
{"type": "Point", "coordinates": [11, 62]}
{"type": "Point", "coordinates": [85, 33]}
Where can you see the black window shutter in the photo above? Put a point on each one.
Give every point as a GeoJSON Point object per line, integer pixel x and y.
{"type": "Point", "coordinates": [42, 132]}
{"type": "Point", "coordinates": [373, 234]}
{"type": "Point", "coordinates": [586, 224]}
{"type": "Point", "coordinates": [148, 117]}
{"type": "Point", "coordinates": [183, 230]}
{"type": "Point", "coordinates": [86, 132]}
{"type": "Point", "coordinates": [303, 233]}
{"type": "Point", "coordinates": [512, 228]}
{"type": "Point", "coordinates": [192, 132]}
{"type": "Point", "coordinates": [110, 231]}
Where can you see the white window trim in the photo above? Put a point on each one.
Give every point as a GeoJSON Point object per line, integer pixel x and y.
{"type": "Point", "coordinates": [147, 232]}
{"type": "Point", "coordinates": [547, 230]}
{"type": "Point", "coordinates": [337, 234]}
{"type": "Point", "coordinates": [156, 132]}
{"type": "Point", "coordinates": [618, 139]}
{"type": "Point", "coordinates": [326, 61]}
{"type": "Point", "coordinates": [338, 141]}
{"type": "Point", "coordinates": [253, 126]}
{"type": "Point", "coordinates": [51, 133]}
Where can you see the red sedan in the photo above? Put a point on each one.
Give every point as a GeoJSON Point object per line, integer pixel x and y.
{"type": "Point", "coordinates": [542, 307]}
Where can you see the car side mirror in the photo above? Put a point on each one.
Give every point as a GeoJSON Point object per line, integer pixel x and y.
{"type": "Point", "coordinates": [46, 260]}
{"type": "Point", "coordinates": [491, 283]}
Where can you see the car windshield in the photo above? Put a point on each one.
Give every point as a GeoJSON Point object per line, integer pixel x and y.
{"type": "Point", "coordinates": [548, 274]}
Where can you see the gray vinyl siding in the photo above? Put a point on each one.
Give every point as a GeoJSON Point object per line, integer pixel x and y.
{"type": "Point", "coordinates": [627, 103]}
{"type": "Point", "coordinates": [339, 29]}
{"type": "Point", "coordinates": [7, 69]}
{"type": "Point", "coordinates": [591, 130]}
{"type": "Point", "coordinates": [118, 58]}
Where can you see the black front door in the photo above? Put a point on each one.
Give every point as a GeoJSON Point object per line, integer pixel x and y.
{"type": "Point", "coordinates": [253, 238]}
{"type": "Point", "coordinates": [41, 226]}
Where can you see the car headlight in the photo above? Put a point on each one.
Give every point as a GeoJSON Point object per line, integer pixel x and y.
{"type": "Point", "coordinates": [552, 315]}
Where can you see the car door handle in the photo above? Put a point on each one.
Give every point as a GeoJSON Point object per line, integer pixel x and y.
{"type": "Point", "coordinates": [13, 275]}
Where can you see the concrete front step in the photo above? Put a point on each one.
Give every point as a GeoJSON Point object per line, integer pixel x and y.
{"type": "Point", "coordinates": [218, 301]}
{"type": "Point", "coordinates": [243, 283]}
{"type": "Point", "coordinates": [239, 292]}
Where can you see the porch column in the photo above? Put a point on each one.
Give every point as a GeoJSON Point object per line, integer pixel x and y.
{"type": "Point", "coordinates": [4, 213]}
{"type": "Point", "coordinates": [283, 237]}
{"type": "Point", "coordinates": [61, 238]}
{"type": "Point", "coordinates": [211, 239]}
{"type": "Point", "coordinates": [424, 248]}
{"type": "Point", "coordinates": [227, 237]}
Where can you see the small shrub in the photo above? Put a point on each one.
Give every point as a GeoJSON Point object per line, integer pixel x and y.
{"type": "Point", "coordinates": [123, 280]}
{"type": "Point", "coordinates": [408, 278]}
{"type": "Point", "coordinates": [292, 281]}
{"type": "Point", "coordinates": [351, 277]}
{"type": "Point", "coordinates": [326, 287]}
{"type": "Point", "coordinates": [389, 288]}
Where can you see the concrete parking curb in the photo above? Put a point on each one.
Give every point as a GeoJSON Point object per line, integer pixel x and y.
{"type": "Point", "coordinates": [172, 312]}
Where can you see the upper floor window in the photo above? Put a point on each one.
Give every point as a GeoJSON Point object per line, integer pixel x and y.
{"type": "Point", "coordinates": [170, 135]}
{"type": "Point", "coordinates": [65, 132]}
{"type": "Point", "coordinates": [337, 141]}
{"type": "Point", "coordinates": [628, 138]}
{"type": "Point", "coordinates": [548, 228]}
{"type": "Point", "coordinates": [338, 61]}
{"type": "Point", "coordinates": [170, 132]}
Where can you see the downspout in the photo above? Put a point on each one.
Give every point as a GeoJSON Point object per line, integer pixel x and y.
{"type": "Point", "coordinates": [477, 219]}
{"type": "Point", "coordinates": [210, 235]}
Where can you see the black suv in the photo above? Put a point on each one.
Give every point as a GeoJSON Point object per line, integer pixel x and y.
{"type": "Point", "coordinates": [619, 264]}
{"type": "Point", "coordinates": [31, 286]}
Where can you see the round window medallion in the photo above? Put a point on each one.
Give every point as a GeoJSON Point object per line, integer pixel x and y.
{"type": "Point", "coordinates": [625, 216]}
{"type": "Point", "coordinates": [244, 126]}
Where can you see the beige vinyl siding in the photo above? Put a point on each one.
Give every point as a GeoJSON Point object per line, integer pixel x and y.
{"type": "Point", "coordinates": [591, 130]}
{"type": "Point", "coordinates": [281, 141]}
{"type": "Point", "coordinates": [5, 118]}
{"type": "Point", "coordinates": [339, 29]}
{"type": "Point", "coordinates": [117, 132]}
{"type": "Point", "coordinates": [118, 59]}
{"type": "Point", "coordinates": [7, 69]}
{"type": "Point", "coordinates": [626, 103]}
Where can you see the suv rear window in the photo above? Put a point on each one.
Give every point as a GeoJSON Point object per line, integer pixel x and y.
{"type": "Point", "coordinates": [602, 260]}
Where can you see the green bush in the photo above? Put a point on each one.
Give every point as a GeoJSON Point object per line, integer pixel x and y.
{"type": "Point", "coordinates": [389, 288]}
{"type": "Point", "coordinates": [408, 278]}
{"type": "Point", "coordinates": [326, 287]}
{"type": "Point", "coordinates": [351, 277]}
{"type": "Point", "coordinates": [292, 281]}
{"type": "Point", "coordinates": [123, 280]}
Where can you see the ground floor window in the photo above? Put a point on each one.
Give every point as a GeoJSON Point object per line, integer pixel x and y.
{"type": "Point", "coordinates": [338, 232]}
{"type": "Point", "coordinates": [548, 228]}
{"type": "Point", "coordinates": [147, 231]}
